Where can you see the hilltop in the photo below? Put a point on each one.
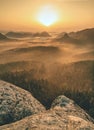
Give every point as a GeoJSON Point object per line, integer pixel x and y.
{"type": "Point", "coordinates": [86, 35]}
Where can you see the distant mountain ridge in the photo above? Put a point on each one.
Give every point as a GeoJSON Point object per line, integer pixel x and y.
{"type": "Point", "coordinates": [66, 38]}
{"type": "Point", "coordinates": [86, 35]}
{"type": "Point", "coordinates": [27, 34]}
{"type": "Point", "coordinates": [18, 34]}
{"type": "Point", "coordinates": [42, 34]}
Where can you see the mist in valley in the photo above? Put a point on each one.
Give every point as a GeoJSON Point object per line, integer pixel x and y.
{"type": "Point", "coordinates": [51, 65]}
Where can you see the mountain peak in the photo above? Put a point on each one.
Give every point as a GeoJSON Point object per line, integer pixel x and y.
{"type": "Point", "coordinates": [65, 38]}
{"type": "Point", "coordinates": [66, 35]}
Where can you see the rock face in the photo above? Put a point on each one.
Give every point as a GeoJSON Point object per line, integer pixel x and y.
{"type": "Point", "coordinates": [16, 103]}
{"type": "Point", "coordinates": [64, 114]}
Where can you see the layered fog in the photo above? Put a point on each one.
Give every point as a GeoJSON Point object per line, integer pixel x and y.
{"type": "Point", "coordinates": [51, 64]}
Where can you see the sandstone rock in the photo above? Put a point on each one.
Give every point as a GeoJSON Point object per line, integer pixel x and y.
{"type": "Point", "coordinates": [16, 103]}
{"type": "Point", "coordinates": [64, 115]}
{"type": "Point", "coordinates": [62, 101]}
{"type": "Point", "coordinates": [51, 120]}
{"type": "Point", "coordinates": [68, 106]}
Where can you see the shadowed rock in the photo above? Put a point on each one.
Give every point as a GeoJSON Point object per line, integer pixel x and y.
{"type": "Point", "coordinates": [64, 115]}
{"type": "Point", "coordinates": [68, 106]}
{"type": "Point", "coordinates": [16, 103]}
{"type": "Point", "coordinates": [62, 101]}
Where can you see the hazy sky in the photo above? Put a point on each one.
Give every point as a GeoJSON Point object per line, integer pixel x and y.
{"type": "Point", "coordinates": [22, 15]}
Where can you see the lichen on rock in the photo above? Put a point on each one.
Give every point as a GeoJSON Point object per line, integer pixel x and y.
{"type": "Point", "coordinates": [16, 103]}
{"type": "Point", "coordinates": [64, 113]}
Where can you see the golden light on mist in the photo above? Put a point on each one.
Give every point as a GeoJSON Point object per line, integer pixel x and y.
{"type": "Point", "coordinates": [47, 16]}
{"type": "Point", "coordinates": [69, 15]}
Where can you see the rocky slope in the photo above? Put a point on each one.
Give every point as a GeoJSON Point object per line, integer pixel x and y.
{"type": "Point", "coordinates": [64, 114]}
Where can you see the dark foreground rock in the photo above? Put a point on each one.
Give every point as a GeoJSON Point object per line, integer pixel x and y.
{"type": "Point", "coordinates": [63, 115]}
{"type": "Point", "coordinates": [16, 103]}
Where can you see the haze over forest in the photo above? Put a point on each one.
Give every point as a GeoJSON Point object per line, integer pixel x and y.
{"type": "Point", "coordinates": [47, 48]}
{"type": "Point", "coordinates": [50, 64]}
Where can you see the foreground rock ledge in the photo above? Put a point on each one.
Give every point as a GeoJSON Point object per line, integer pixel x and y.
{"type": "Point", "coordinates": [63, 115]}
{"type": "Point", "coordinates": [16, 103]}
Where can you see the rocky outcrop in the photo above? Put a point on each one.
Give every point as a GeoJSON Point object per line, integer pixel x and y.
{"type": "Point", "coordinates": [63, 115]}
{"type": "Point", "coordinates": [3, 37]}
{"type": "Point", "coordinates": [16, 103]}
{"type": "Point", "coordinates": [66, 39]}
{"type": "Point", "coordinates": [69, 107]}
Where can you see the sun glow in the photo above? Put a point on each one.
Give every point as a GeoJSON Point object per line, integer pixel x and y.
{"type": "Point", "coordinates": [47, 16]}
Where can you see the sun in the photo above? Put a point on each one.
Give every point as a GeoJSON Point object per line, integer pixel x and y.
{"type": "Point", "coordinates": [47, 16]}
